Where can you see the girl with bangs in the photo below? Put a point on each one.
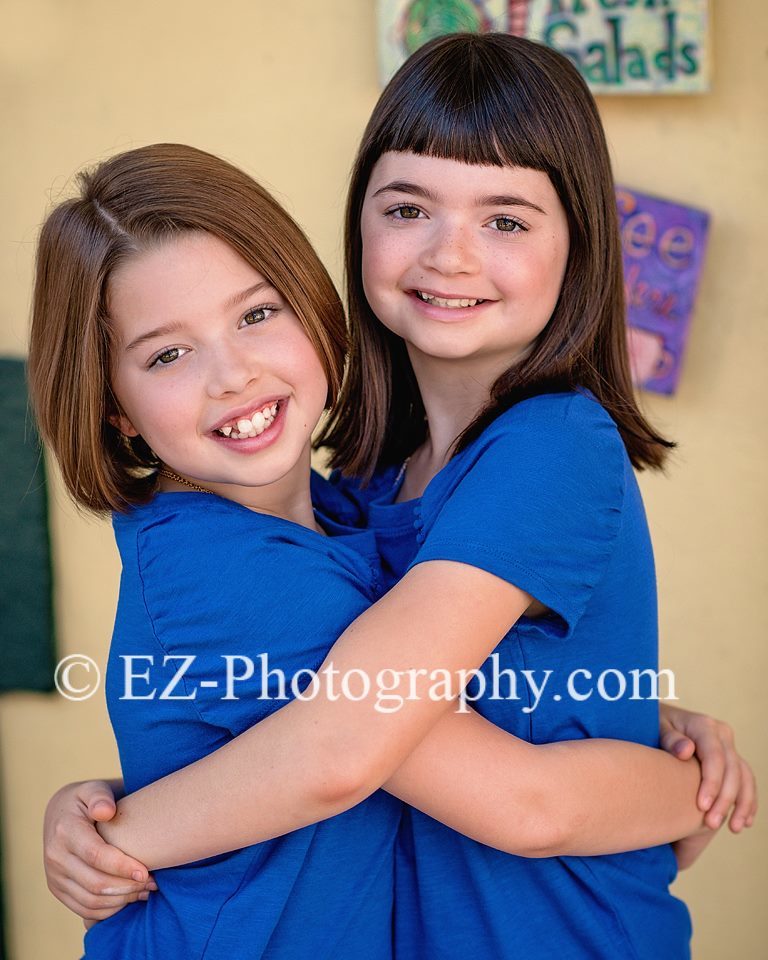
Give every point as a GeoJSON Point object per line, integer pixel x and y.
{"type": "Point", "coordinates": [486, 432]}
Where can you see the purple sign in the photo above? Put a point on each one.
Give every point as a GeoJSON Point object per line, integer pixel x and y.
{"type": "Point", "coordinates": [663, 245]}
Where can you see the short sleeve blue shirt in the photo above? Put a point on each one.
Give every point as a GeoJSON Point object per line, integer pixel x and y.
{"type": "Point", "coordinates": [546, 499]}
{"type": "Point", "coordinates": [205, 579]}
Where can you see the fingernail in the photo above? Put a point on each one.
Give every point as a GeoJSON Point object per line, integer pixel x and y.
{"type": "Point", "coordinates": [706, 802]}
{"type": "Point", "coordinates": [138, 876]}
{"type": "Point", "coordinates": [737, 824]}
{"type": "Point", "coordinates": [144, 895]}
{"type": "Point", "coordinates": [717, 820]}
{"type": "Point", "coordinates": [152, 885]}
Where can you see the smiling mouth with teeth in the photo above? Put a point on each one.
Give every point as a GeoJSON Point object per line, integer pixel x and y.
{"type": "Point", "coordinates": [246, 428]}
{"type": "Point", "coordinates": [442, 302]}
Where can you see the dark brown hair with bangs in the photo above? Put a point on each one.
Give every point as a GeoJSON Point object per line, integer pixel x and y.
{"type": "Point", "coordinates": [126, 205]}
{"type": "Point", "coordinates": [499, 100]}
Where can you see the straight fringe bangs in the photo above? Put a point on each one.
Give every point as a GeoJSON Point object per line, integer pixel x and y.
{"type": "Point", "coordinates": [493, 100]}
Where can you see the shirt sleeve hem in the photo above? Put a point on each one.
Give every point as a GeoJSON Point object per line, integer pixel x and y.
{"type": "Point", "coordinates": [506, 568]}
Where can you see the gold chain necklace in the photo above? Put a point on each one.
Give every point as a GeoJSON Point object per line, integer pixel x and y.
{"type": "Point", "coordinates": [170, 475]}
{"type": "Point", "coordinates": [401, 472]}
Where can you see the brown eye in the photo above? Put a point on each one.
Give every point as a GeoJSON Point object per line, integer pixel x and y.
{"type": "Point", "coordinates": [506, 224]}
{"type": "Point", "coordinates": [409, 213]}
{"type": "Point", "coordinates": [255, 316]}
{"type": "Point", "coordinates": [258, 315]}
{"type": "Point", "coordinates": [167, 356]}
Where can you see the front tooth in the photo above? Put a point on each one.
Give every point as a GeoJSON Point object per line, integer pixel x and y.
{"type": "Point", "coordinates": [244, 426]}
{"type": "Point", "coordinates": [258, 420]}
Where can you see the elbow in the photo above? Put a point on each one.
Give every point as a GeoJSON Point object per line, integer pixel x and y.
{"type": "Point", "coordinates": [549, 831]}
{"type": "Point", "coordinates": [341, 778]}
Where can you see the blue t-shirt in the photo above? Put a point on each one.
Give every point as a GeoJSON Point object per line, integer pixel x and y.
{"type": "Point", "coordinates": [546, 499]}
{"type": "Point", "coordinates": [206, 578]}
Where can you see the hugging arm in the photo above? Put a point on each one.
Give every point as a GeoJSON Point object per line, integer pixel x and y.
{"type": "Point", "coordinates": [316, 758]}
{"type": "Point", "coordinates": [452, 775]}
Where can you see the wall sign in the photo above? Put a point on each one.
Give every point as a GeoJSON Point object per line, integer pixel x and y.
{"type": "Point", "coordinates": [620, 46]}
{"type": "Point", "coordinates": [663, 245]}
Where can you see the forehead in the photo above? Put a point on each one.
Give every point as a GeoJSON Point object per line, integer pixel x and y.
{"type": "Point", "coordinates": [195, 272]}
{"type": "Point", "coordinates": [453, 179]}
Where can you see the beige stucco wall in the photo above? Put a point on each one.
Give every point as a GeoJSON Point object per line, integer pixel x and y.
{"type": "Point", "coordinates": [284, 90]}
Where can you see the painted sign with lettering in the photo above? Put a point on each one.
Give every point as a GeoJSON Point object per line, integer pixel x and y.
{"type": "Point", "coordinates": [663, 245]}
{"type": "Point", "coordinates": [620, 46]}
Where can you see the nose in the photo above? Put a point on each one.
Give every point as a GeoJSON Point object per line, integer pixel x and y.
{"type": "Point", "coordinates": [451, 249]}
{"type": "Point", "coordinates": [231, 369]}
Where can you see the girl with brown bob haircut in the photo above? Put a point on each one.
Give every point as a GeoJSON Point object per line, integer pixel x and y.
{"type": "Point", "coordinates": [525, 543]}
{"type": "Point", "coordinates": [128, 205]}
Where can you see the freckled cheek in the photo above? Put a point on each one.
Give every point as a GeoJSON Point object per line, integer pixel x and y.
{"type": "Point", "coordinates": [384, 259]}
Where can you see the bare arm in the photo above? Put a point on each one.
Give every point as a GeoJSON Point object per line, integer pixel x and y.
{"type": "Point", "coordinates": [579, 797]}
{"type": "Point", "coordinates": [316, 758]}
{"type": "Point", "coordinates": [95, 879]}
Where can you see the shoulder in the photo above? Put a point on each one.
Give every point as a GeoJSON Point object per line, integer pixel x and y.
{"type": "Point", "coordinates": [551, 439]}
{"type": "Point", "coordinates": [552, 415]}
{"type": "Point", "coordinates": [199, 545]}
{"type": "Point", "coordinates": [196, 551]}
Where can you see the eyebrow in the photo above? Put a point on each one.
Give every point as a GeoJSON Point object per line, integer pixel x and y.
{"type": "Point", "coordinates": [242, 297]}
{"type": "Point", "coordinates": [405, 186]}
{"type": "Point", "coordinates": [163, 331]}
{"type": "Point", "coordinates": [176, 325]}
{"type": "Point", "coordinates": [509, 200]}
{"type": "Point", "coordinates": [494, 200]}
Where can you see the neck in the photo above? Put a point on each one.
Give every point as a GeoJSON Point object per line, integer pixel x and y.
{"type": "Point", "coordinates": [287, 498]}
{"type": "Point", "coordinates": [453, 392]}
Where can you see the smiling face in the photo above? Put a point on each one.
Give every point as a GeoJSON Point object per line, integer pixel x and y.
{"type": "Point", "coordinates": [462, 261]}
{"type": "Point", "coordinates": [213, 368]}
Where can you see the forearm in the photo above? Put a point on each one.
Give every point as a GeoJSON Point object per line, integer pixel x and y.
{"type": "Point", "coordinates": [583, 797]}
{"type": "Point", "coordinates": [315, 758]}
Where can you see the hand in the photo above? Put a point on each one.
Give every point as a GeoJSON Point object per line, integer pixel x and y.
{"type": "Point", "coordinates": [85, 873]}
{"type": "Point", "coordinates": [726, 778]}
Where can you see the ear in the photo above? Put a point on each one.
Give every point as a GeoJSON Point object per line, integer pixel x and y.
{"type": "Point", "coordinates": [120, 422]}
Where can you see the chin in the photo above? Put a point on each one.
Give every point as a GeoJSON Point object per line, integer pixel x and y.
{"type": "Point", "coordinates": [446, 348]}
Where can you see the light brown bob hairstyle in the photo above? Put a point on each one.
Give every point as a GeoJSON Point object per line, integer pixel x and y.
{"type": "Point", "coordinates": [127, 205]}
{"type": "Point", "coordinates": [498, 100]}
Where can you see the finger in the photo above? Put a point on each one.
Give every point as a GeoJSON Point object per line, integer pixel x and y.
{"type": "Point", "coordinates": [677, 744]}
{"type": "Point", "coordinates": [76, 907]}
{"type": "Point", "coordinates": [77, 837]}
{"type": "Point", "coordinates": [745, 802]}
{"type": "Point", "coordinates": [712, 756]}
{"type": "Point", "coordinates": [105, 858]}
{"type": "Point", "coordinates": [90, 904]}
{"type": "Point", "coordinates": [98, 799]}
{"type": "Point", "coordinates": [96, 881]}
{"type": "Point", "coordinates": [729, 791]}
{"type": "Point", "coordinates": [102, 809]}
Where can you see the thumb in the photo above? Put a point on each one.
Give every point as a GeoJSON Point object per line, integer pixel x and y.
{"type": "Point", "coordinates": [102, 808]}
{"type": "Point", "coordinates": [98, 799]}
{"type": "Point", "coordinates": [677, 744]}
